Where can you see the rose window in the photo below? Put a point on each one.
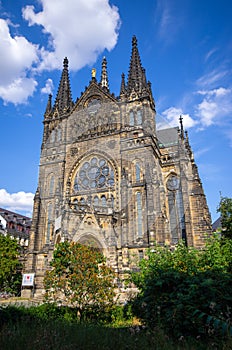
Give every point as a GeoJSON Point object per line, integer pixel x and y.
{"type": "Point", "coordinates": [93, 174]}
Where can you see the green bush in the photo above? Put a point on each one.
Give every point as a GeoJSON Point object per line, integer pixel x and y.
{"type": "Point", "coordinates": [187, 292]}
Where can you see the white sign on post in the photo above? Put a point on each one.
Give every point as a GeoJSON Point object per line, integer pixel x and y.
{"type": "Point", "coordinates": [28, 279]}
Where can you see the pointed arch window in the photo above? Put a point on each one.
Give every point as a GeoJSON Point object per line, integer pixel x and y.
{"type": "Point", "coordinates": [75, 202]}
{"type": "Point", "coordinates": [139, 117]}
{"type": "Point", "coordinates": [112, 201]}
{"type": "Point", "coordinates": [139, 214]}
{"type": "Point", "coordinates": [49, 223]}
{"type": "Point", "coordinates": [96, 201]}
{"type": "Point", "coordinates": [132, 118]}
{"type": "Point", "coordinates": [176, 209]}
{"type": "Point", "coordinates": [103, 201]}
{"type": "Point", "coordinates": [137, 171]}
{"type": "Point", "coordinates": [52, 137]}
{"type": "Point", "coordinates": [51, 185]}
{"type": "Point", "coordinates": [58, 135]}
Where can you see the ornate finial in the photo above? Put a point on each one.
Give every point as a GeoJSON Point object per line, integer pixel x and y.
{"type": "Point", "coordinates": [49, 106]}
{"type": "Point", "coordinates": [181, 127]}
{"type": "Point", "coordinates": [134, 41]}
{"type": "Point", "coordinates": [65, 63]}
{"type": "Point", "coordinates": [93, 72]}
{"type": "Point", "coordinates": [104, 75]}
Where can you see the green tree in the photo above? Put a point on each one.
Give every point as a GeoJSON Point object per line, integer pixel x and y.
{"type": "Point", "coordinates": [80, 278]}
{"type": "Point", "coordinates": [225, 209]}
{"type": "Point", "coordinates": [177, 286]}
{"type": "Point", "coordinates": [10, 266]}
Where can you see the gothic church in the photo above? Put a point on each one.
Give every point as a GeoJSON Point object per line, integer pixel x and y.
{"type": "Point", "coordinates": [109, 179]}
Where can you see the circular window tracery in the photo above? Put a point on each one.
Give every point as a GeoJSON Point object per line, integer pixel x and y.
{"type": "Point", "coordinates": [94, 173]}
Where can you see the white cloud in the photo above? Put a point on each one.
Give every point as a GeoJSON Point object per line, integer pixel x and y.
{"type": "Point", "coordinates": [47, 89]}
{"type": "Point", "coordinates": [18, 91]}
{"type": "Point", "coordinates": [19, 201]}
{"type": "Point", "coordinates": [215, 106]}
{"type": "Point", "coordinates": [212, 78]}
{"type": "Point", "coordinates": [172, 116]}
{"type": "Point", "coordinates": [210, 53]}
{"type": "Point", "coordinates": [165, 20]}
{"type": "Point", "coordinates": [17, 57]}
{"type": "Point", "coordinates": [91, 27]}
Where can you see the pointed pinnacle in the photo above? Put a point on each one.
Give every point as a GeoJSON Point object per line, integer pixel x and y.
{"type": "Point", "coordinates": [123, 85]}
{"type": "Point", "coordinates": [64, 96]}
{"type": "Point", "coordinates": [104, 75]}
{"type": "Point", "coordinates": [49, 106]}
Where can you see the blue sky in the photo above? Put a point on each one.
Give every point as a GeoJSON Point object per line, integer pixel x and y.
{"type": "Point", "coordinates": [185, 47]}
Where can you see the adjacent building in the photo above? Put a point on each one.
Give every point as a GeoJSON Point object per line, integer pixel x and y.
{"type": "Point", "coordinates": [15, 225]}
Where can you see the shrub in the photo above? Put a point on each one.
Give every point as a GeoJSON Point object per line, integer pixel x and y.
{"type": "Point", "coordinates": [176, 287]}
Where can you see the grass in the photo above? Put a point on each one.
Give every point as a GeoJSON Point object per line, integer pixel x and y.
{"type": "Point", "coordinates": [22, 330]}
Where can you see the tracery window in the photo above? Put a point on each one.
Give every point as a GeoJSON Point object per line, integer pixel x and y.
{"type": "Point", "coordinates": [49, 223]}
{"type": "Point", "coordinates": [132, 118]}
{"type": "Point", "coordinates": [139, 214]}
{"type": "Point", "coordinates": [51, 185]}
{"type": "Point", "coordinates": [137, 172]}
{"type": "Point", "coordinates": [96, 200]}
{"type": "Point", "coordinates": [58, 135]}
{"type": "Point", "coordinates": [103, 201]}
{"type": "Point", "coordinates": [95, 173]}
{"type": "Point", "coordinates": [139, 117]}
{"type": "Point", "coordinates": [176, 209]}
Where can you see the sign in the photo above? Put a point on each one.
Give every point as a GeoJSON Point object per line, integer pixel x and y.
{"type": "Point", "coordinates": [28, 279]}
{"type": "Point", "coordinates": [58, 223]}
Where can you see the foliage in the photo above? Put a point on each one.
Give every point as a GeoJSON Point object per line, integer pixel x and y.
{"type": "Point", "coordinates": [10, 267]}
{"type": "Point", "coordinates": [225, 209]}
{"type": "Point", "coordinates": [175, 284]}
{"type": "Point", "coordinates": [80, 278]}
{"type": "Point", "coordinates": [25, 330]}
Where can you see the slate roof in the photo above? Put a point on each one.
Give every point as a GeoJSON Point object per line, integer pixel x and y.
{"type": "Point", "coordinates": [167, 137]}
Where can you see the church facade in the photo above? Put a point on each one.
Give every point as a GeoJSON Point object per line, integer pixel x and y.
{"type": "Point", "coordinates": [109, 179]}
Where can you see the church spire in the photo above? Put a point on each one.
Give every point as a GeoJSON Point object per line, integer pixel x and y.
{"type": "Point", "coordinates": [104, 75]}
{"type": "Point", "coordinates": [136, 76]}
{"type": "Point", "coordinates": [64, 97]}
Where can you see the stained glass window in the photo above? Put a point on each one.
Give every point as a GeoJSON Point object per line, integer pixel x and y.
{"type": "Point", "coordinates": [137, 172]}
{"type": "Point", "coordinates": [51, 185]}
{"type": "Point", "coordinates": [139, 214]}
{"type": "Point", "coordinates": [94, 173]}
{"type": "Point", "coordinates": [139, 117]}
{"type": "Point", "coordinates": [49, 223]}
{"type": "Point", "coordinates": [132, 118]}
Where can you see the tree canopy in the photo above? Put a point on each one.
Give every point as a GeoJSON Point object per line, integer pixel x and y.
{"type": "Point", "coordinates": [79, 277]}
{"type": "Point", "coordinates": [186, 291]}
{"type": "Point", "coordinates": [10, 266]}
{"type": "Point", "coordinates": [225, 209]}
